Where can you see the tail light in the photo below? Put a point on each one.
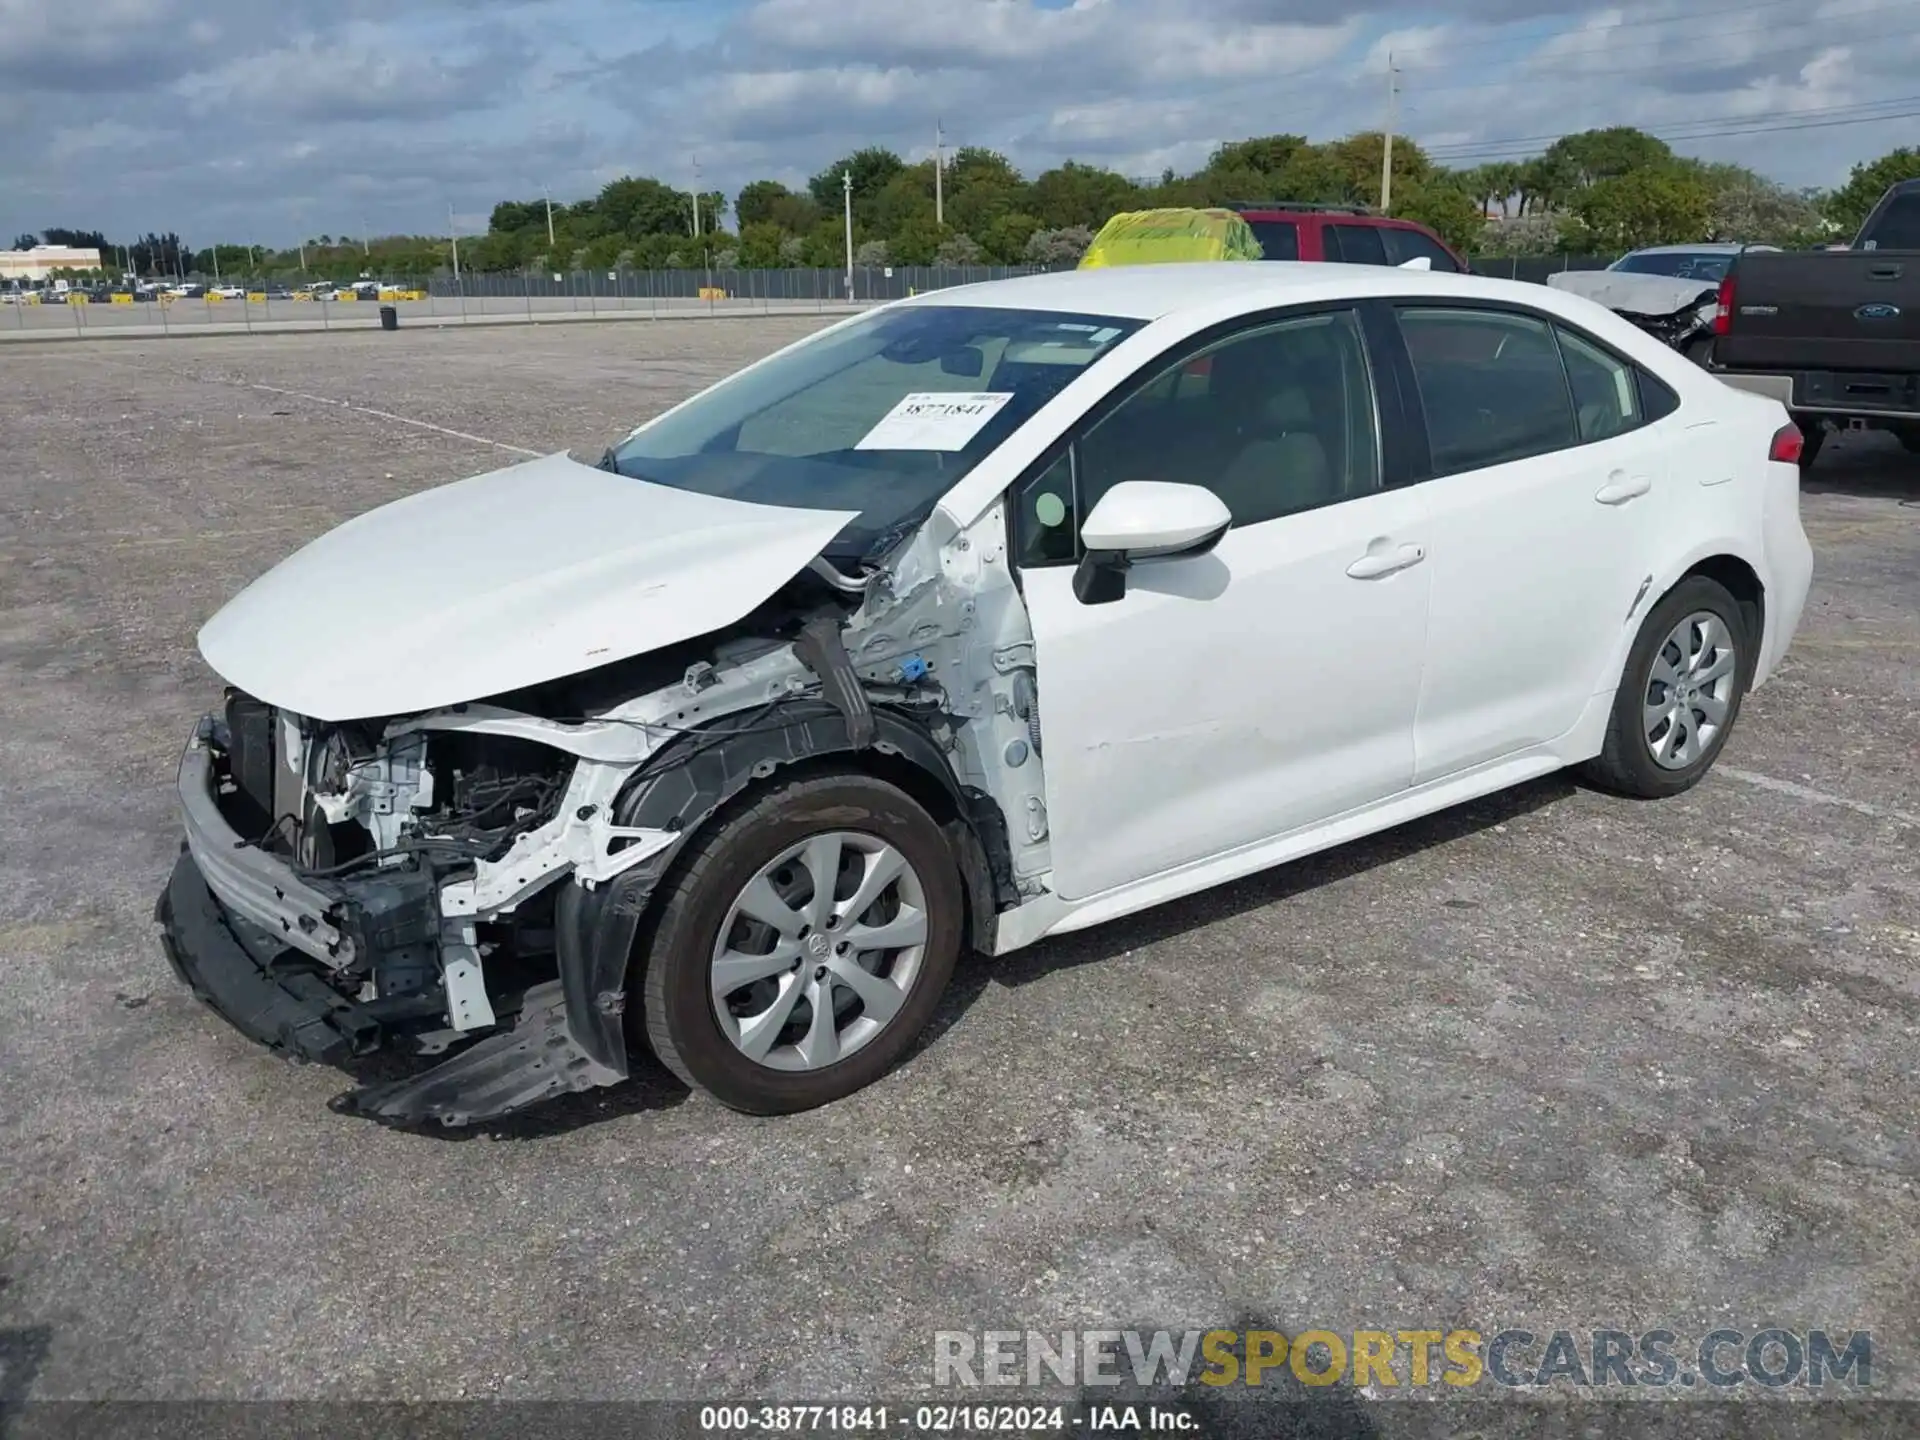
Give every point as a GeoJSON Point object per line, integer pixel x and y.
{"type": "Point", "coordinates": [1788, 445]}
{"type": "Point", "coordinates": [1723, 305]}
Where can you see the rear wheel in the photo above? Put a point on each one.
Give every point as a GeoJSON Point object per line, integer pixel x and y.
{"type": "Point", "coordinates": [1813, 433]}
{"type": "Point", "coordinates": [803, 945]}
{"type": "Point", "coordinates": [1681, 692]}
{"type": "Point", "coordinates": [1699, 350]}
{"type": "Point", "coordinates": [1909, 436]}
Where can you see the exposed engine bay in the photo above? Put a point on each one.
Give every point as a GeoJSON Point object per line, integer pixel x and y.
{"type": "Point", "coordinates": [1677, 312]}
{"type": "Point", "coordinates": [469, 883]}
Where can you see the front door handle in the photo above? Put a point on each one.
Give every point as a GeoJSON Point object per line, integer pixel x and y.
{"type": "Point", "coordinates": [1620, 488]}
{"type": "Point", "coordinates": [1374, 564]}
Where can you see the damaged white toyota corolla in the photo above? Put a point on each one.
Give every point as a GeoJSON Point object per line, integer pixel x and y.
{"type": "Point", "coordinates": [995, 613]}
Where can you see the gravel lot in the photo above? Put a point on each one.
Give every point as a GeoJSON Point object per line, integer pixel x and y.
{"type": "Point", "coordinates": [1554, 1059]}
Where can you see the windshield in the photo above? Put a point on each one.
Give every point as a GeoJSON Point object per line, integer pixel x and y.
{"type": "Point", "coordinates": [882, 416]}
{"type": "Point", "coordinates": [1682, 265]}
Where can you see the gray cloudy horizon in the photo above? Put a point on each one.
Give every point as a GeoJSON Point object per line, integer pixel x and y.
{"type": "Point", "coordinates": [200, 116]}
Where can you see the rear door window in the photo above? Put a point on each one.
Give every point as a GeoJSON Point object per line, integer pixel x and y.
{"type": "Point", "coordinates": [1405, 245]}
{"type": "Point", "coordinates": [1355, 244]}
{"type": "Point", "coordinates": [1279, 239]}
{"type": "Point", "coordinates": [1491, 384]}
{"type": "Point", "coordinates": [1896, 227]}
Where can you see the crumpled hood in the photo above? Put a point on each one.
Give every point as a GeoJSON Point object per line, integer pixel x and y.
{"type": "Point", "coordinates": [1635, 294]}
{"type": "Point", "coordinates": [512, 578]}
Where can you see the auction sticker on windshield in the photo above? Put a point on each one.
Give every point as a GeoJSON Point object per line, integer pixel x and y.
{"type": "Point", "coordinates": [933, 421]}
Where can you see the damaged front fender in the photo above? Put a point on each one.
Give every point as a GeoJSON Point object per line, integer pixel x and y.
{"type": "Point", "coordinates": [598, 926]}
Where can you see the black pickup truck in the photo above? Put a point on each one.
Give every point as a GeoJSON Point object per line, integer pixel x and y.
{"type": "Point", "coordinates": [1833, 335]}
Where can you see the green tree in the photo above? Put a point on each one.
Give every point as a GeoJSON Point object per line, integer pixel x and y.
{"type": "Point", "coordinates": [1358, 161]}
{"type": "Point", "coordinates": [760, 243]}
{"type": "Point", "coordinates": [1445, 208]}
{"type": "Point", "coordinates": [960, 250]}
{"type": "Point", "coordinates": [1763, 213]}
{"type": "Point", "coordinates": [637, 206]}
{"type": "Point", "coordinates": [871, 169]}
{"type": "Point", "coordinates": [1642, 207]}
{"type": "Point", "coordinates": [1263, 155]}
{"type": "Point", "coordinates": [519, 215]}
{"type": "Point", "coordinates": [1075, 194]}
{"type": "Point", "coordinates": [1059, 247]}
{"type": "Point", "coordinates": [1005, 240]}
{"type": "Point", "coordinates": [1849, 206]}
{"type": "Point", "coordinates": [759, 203]}
{"type": "Point", "coordinates": [905, 202]}
{"type": "Point", "coordinates": [1576, 162]}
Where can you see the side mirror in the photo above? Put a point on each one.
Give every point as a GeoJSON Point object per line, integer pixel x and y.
{"type": "Point", "coordinates": [1141, 520]}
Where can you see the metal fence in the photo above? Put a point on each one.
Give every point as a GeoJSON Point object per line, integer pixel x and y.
{"type": "Point", "coordinates": [870, 282]}
{"type": "Point", "coordinates": [502, 298]}
{"type": "Point", "coordinates": [779, 287]}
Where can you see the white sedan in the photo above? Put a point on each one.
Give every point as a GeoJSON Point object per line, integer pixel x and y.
{"type": "Point", "coordinates": [984, 616]}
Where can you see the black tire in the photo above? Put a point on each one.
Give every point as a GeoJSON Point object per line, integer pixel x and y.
{"type": "Point", "coordinates": [1813, 435]}
{"type": "Point", "coordinates": [1626, 765]}
{"type": "Point", "coordinates": [1909, 438]}
{"type": "Point", "coordinates": [675, 952]}
{"type": "Point", "coordinates": [1699, 350]}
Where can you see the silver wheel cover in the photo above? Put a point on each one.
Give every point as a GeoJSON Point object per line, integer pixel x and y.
{"type": "Point", "coordinates": [1689, 692]}
{"type": "Point", "coordinates": [819, 951]}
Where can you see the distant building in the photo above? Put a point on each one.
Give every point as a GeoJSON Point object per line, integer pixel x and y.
{"type": "Point", "coordinates": [41, 261]}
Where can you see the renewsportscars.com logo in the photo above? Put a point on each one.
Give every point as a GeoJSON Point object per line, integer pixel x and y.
{"type": "Point", "coordinates": [1513, 1358]}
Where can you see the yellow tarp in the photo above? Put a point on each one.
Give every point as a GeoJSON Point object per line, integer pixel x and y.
{"type": "Point", "coordinates": [1162, 237]}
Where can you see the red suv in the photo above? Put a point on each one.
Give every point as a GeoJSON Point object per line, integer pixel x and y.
{"type": "Point", "coordinates": [1345, 233]}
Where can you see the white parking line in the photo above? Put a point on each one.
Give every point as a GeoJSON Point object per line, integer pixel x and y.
{"type": "Point", "coordinates": [1816, 797]}
{"type": "Point", "coordinates": [381, 415]}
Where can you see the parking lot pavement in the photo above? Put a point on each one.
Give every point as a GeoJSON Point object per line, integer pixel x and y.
{"type": "Point", "coordinates": [1552, 1059]}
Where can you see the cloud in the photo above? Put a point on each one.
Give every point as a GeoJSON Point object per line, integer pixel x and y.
{"type": "Point", "coordinates": [223, 116]}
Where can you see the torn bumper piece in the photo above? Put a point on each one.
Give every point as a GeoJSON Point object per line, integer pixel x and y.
{"type": "Point", "coordinates": [535, 1061]}
{"type": "Point", "coordinates": [291, 1010]}
{"type": "Point", "coordinates": [231, 922]}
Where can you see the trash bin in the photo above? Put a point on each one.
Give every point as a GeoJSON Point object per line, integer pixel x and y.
{"type": "Point", "coordinates": [389, 318]}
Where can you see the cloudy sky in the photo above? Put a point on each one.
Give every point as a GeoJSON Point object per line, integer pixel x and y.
{"type": "Point", "coordinates": [262, 122]}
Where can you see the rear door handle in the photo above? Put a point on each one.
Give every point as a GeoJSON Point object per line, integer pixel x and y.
{"type": "Point", "coordinates": [1374, 564]}
{"type": "Point", "coordinates": [1621, 488]}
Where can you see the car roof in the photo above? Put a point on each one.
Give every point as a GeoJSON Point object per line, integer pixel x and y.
{"type": "Point", "coordinates": [1705, 247]}
{"type": "Point", "coordinates": [1149, 292]}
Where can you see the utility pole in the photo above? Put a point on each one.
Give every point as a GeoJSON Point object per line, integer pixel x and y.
{"type": "Point", "coordinates": [939, 177]}
{"type": "Point", "coordinates": [453, 229]}
{"type": "Point", "coordinates": [846, 180]}
{"type": "Point", "coordinates": [1386, 147]}
{"type": "Point", "coordinates": [550, 240]}
{"type": "Point", "coordinates": [696, 197]}
{"type": "Point", "coordinates": [366, 239]}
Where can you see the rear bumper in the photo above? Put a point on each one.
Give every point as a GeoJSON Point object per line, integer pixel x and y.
{"type": "Point", "coordinates": [1839, 393]}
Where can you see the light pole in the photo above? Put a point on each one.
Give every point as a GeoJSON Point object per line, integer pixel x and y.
{"type": "Point", "coordinates": [1386, 139]}
{"type": "Point", "coordinates": [939, 167]}
{"type": "Point", "coordinates": [549, 197]}
{"type": "Point", "coordinates": [846, 179]}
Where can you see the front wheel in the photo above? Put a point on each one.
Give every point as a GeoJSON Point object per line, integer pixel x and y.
{"type": "Point", "coordinates": [1681, 692]}
{"type": "Point", "coordinates": [803, 944]}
